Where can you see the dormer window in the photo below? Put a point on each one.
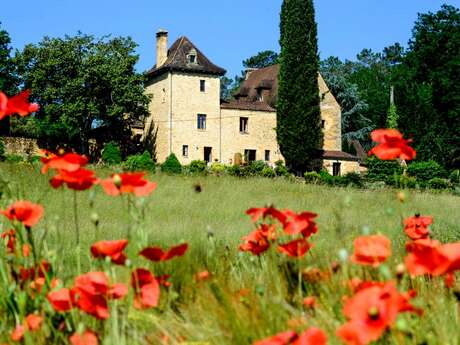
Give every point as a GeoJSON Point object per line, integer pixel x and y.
{"type": "Point", "coordinates": [191, 57]}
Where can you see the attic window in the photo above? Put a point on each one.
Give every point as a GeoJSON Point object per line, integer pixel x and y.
{"type": "Point", "coordinates": [191, 57]}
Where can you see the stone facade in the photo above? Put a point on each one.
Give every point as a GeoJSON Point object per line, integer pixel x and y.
{"type": "Point", "coordinates": [260, 135]}
{"type": "Point", "coordinates": [185, 91]}
{"type": "Point", "coordinates": [21, 146]}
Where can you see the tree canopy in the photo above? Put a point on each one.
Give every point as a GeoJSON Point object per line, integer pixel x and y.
{"type": "Point", "coordinates": [298, 129]}
{"type": "Point", "coordinates": [81, 83]}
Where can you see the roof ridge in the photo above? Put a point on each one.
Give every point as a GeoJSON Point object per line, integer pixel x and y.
{"type": "Point", "coordinates": [178, 46]}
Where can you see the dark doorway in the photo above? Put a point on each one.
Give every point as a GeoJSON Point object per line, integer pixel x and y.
{"type": "Point", "coordinates": [336, 168]}
{"type": "Point", "coordinates": [208, 154]}
{"type": "Point", "coordinates": [249, 155]}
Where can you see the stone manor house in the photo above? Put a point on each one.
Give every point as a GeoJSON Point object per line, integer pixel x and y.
{"type": "Point", "coordinates": [188, 118]}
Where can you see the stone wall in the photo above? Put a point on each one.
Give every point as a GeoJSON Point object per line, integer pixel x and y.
{"type": "Point", "coordinates": [346, 166]}
{"type": "Point", "coordinates": [21, 146]}
{"type": "Point", "coordinates": [331, 114]}
{"type": "Point", "coordinates": [260, 135]}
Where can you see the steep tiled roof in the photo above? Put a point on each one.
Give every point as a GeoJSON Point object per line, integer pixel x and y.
{"type": "Point", "coordinates": [177, 60]}
{"type": "Point", "coordinates": [244, 105]}
{"type": "Point", "coordinates": [267, 79]}
{"type": "Point", "coordinates": [339, 155]}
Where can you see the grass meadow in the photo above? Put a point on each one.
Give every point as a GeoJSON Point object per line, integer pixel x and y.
{"type": "Point", "coordinates": [246, 298]}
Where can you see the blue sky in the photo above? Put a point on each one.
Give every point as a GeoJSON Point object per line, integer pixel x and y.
{"type": "Point", "coordinates": [227, 31]}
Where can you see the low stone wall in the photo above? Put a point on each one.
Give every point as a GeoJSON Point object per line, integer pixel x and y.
{"type": "Point", "coordinates": [21, 146]}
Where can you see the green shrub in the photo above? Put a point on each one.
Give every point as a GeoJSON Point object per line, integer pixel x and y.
{"type": "Point", "coordinates": [268, 172]}
{"type": "Point", "coordinates": [326, 178]}
{"type": "Point", "coordinates": [14, 158]}
{"type": "Point", "coordinates": [425, 171]}
{"type": "Point", "coordinates": [33, 159]}
{"type": "Point", "coordinates": [380, 170]}
{"type": "Point", "coordinates": [2, 149]}
{"type": "Point", "coordinates": [171, 165]}
{"type": "Point", "coordinates": [143, 162]}
{"type": "Point", "coordinates": [407, 182]}
{"type": "Point", "coordinates": [454, 176]}
{"type": "Point", "coordinates": [438, 183]}
{"type": "Point", "coordinates": [255, 168]}
{"type": "Point", "coordinates": [312, 177]}
{"type": "Point", "coordinates": [197, 167]}
{"type": "Point", "coordinates": [217, 168]}
{"type": "Point", "coordinates": [234, 170]}
{"type": "Point", "coordinates": [352, 179]}
{"type": "Point", "coordinates": [280, 169]}
{"type": "Point", "coordinates": [111, 153]}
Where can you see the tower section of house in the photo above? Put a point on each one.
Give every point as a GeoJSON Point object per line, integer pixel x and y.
{"type": "Point", "coordinates": [250, 121]}
{"type": "Point", "coordinates": [184, 87]}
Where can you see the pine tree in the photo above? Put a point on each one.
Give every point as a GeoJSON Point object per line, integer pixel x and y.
{"type": "Point", "coordinates": [298, 110]}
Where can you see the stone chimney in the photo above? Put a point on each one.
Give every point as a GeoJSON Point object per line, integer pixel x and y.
{"type": "Point", "coordinates": [162, 47]}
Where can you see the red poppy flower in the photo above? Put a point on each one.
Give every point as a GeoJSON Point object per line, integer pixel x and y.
{"type": "Point", "coordinates": [81, 179]}
{"type": "Point", "coordinates": [278, 339]}
{"type": "Point", "coordinates": [300, 223]}
{"type": "Point", "coordinates": [92, 291]}
{"type": "Point", "coordinates": [158, 254]}
{"type": "Point", "coordinates": [426, 257]}
{"type": "Point", "coordinates": [296, 248]}
{"type": "Point", "coordinates": [391, 145]}
{"type": "Point", "coordinates": [452, 252]}
{"type": "Point", "coordinates": [61, 300]}
{"type": "Point", "coordinates": [112, 249]}
{"type": "Point", "coordinates": [256, 242]}
{"type": "Point", "coordinates": [133, 183]}
{"type": "Point", "coordinates": [309, 302]}
{"type": "Point", "coordinates": [203, 275]}
{"type": "Point", "coordinates": [312, 336]}
{"type": "Point", "coordinates": [417, 227]}
{"type": "Point", "coordinates": [147, 289]}
{"type": "Point", "coordinates": [163, 280]}
{"type": "Point", "coordinates": [10, 237]}
{"type": "Point", "coordinates": [25, 212]}
{"type": "Point", "coordinates": [18, 104]}
{"type": "Point", "coordinates": [33, 322]}
{"type": "Point", "coordinates": [264, 212]}
{"type": "Point", "coordinates": [371, 311]}
{"type": "Point", "coordinates": [18, 333]}
{"type": "Point", "coordinates": [371, 250]}
{"type": "Point", "coordinates": [69, 162]}
{"type": "Point", "coordinates": [87, 338]}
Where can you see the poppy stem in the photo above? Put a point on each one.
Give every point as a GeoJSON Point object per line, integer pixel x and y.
{"type": "Point", "coordinates": [77, 229]}
{"type": "Point", "coordinates": [32, 244]}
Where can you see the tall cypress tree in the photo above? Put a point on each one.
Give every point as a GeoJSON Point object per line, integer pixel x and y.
{"type": "Point", "coordinates": [298, 111]}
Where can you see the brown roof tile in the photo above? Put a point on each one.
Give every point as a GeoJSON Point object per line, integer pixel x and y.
{"type": "Point", "coordinates": [177, 60]}
{"type": "Point", "coordinates": [339, 155]}
{"type": "Point", "coordinates": [244, 105]}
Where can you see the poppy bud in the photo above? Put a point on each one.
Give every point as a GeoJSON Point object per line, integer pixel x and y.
{"type": "Point", "coordinates": [335, 267]}
{"type": "Point", "coordinates": [117, 180]}
{"type": "Point", "coordinates": [95, 218]}
{"type": "Point", "coordinates": [401, 197]}
{"type": "Point", "coordinates": [373, 313]}
{"type": "Point", "coordinates": [400, 270]}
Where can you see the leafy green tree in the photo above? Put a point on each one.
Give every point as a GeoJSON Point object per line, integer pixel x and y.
{"type": "Point", "coordinates": [427, 87]}
{"type": "Point", "coordinates": [355, 125]}
{"type": "Point", "coordinates": [263, 59]}
{"type": "Point", "coordinates": [8, 79]}
{"type": "Point", "coordinates": [298, 110]}
{"type": "Point", "coordinates": [392, 118]}
{"type": "Point", "coordinates": [81, 83]}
